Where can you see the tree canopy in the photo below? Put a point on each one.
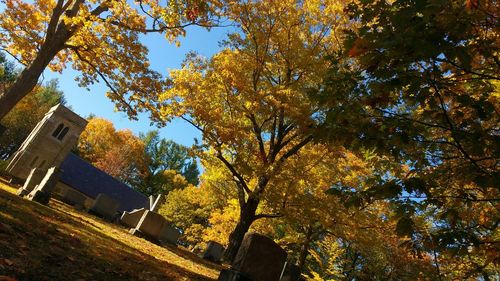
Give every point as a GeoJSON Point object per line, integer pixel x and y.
{"type": "Point", "coordinates": [100, 39]}
{"type": "Point", "coordinates": [250, 100]}
{"type": "Point", "coordinates": [169, 165]}
{"type": "Point", "coordinates": [424, 77]}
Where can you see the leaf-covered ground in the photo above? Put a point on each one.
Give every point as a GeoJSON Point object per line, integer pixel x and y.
{"type": "Point", "coordinates": [57, 242]}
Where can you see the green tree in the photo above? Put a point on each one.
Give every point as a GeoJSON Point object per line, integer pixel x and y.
{"type": "Point", "coordinates": [164, 157]}
{"type": "Point", "coordinates": [423, 77]}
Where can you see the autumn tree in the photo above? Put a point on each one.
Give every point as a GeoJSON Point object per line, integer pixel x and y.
{"type": "Point", "coordinates": [118, 153]}
{"type": "Point", "coordinates": [100, 39]}
{"type": "Point", "coordinates": [424, 75]}
{"type": "Point", "coordinates": [250, 100]}
{"type": "Point", "coordinates": [169, 164]}
{"type": "Point", "coordinates": [26, 114]}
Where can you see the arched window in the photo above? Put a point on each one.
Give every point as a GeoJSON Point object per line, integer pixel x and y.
{"type": "Point", "coordinates": [41, 164]}
{"type": "Point", "coordinates": [63, 133]}
{"type": "Point", "coordinates": [58, 130]}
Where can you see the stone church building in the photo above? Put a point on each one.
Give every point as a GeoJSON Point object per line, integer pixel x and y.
{"type": "Point", "coordinates": [46, 156]}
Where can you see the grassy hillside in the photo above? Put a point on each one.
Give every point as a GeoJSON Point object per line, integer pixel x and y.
{"type": "Point", "coordinates": [57, 242]}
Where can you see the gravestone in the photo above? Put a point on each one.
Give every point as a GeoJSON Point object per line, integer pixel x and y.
{"type": "Point", "coordinates": [169, 234]}
{"type": "Point", "coordinates": [35, 177]}
{"type": "Point", "coordinates": [105, 206]}
{"type": "Point", "coordinates": [155, 228]}
{"type": "Point", "coordinates": [132, 218]}
{"type": "Point", "coordinates": [213, 252]}
{"type": "Point", "coordinates": [73, 197]}
{"type": "Point", "coordinates": [259, 258]}
{"type": "Point", "coordinates": [43, 190]}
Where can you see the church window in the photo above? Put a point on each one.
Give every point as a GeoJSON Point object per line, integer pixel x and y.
{"type": "Point", "coordinates": [60, 132]}
{"type": "Point", "coordinates": [33, 162]}
{"type": "Point", "coordinates": [63, 133]}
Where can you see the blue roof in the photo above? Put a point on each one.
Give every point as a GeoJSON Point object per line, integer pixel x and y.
{"type": "Point", "coordinates": [91, 181]}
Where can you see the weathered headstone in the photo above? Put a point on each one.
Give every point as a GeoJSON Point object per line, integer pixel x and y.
{"type": "Point", "coordinates": [154, 227]}
{"type": "Point", "coordinates": [213, 252]}
{"type": "Point", "coordinates": [43, 190]}
{"type": "Point", "coordinates": [35, 177]}
{"type": "Point", "coordinates": [260, 258]}
{"type": "Point", "coordinates": [132, 218]}
{"type": "Point", "coordinates": [73, 197]}
{"type": "Point", "coordinates": [105, 206]}
{"type": "Point", "coordinates": [169, 234]}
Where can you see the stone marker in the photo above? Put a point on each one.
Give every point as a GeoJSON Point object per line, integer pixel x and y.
{"type": "Point", "coordinates": [43, 190]}
{"type": "Point", "coordinates": [35, 177]}
{"type": "Point", "coordinates": [73, 197]}
{"type": "Point", "coordinates": [105, 206]}
{"type": "Point", "coordinates": [154, 227]}
{"type": "Point", "coordinates": [169, 234]}
{"type": "Point", "coordinates": [131, 219]}
{"type": "Point", "coordinates": [260, 258]}
{"type": "Point", "coordinates": [213, 252]}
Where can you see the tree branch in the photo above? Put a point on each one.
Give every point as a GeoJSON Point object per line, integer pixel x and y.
{"type": "Point", "coordinates": [233, 171]}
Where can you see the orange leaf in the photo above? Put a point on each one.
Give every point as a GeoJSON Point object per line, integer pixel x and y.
{"type": "Point", "coordinates": [471, 4]}
{"type": "Point", "coordinates": [359, 47]}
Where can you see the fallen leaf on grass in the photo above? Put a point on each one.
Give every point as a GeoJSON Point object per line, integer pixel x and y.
{"type": "Point", "coordinates": [8, 262]}
{"type": "Point", "coordinates": [6, 278]}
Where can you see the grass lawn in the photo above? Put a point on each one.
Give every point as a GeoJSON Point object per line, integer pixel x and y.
{"type": "Point", "coordinates": [57, 242]}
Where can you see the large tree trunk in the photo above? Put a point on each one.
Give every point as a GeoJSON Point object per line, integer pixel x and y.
{"type": "Point", "coordinates": [28, 79]}
{"type": "Point", "coordinates": [247, 217]}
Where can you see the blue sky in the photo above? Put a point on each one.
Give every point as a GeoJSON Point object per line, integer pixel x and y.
{"type": "Point", "coordinates": [163, 56]}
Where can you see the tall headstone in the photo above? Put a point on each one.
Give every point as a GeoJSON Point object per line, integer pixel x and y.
{"type": "Point", "coordinates": [43, 190]}
{"type": "Point", "coordinates": [258, 259]}
{"type": "Point", "coordinates": [49, 142]}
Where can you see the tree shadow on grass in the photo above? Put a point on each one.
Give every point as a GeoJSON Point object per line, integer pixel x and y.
{"type": "Point", "coordinates": [194, 257]}
{"type": "Point", "coordinates": [40, 243]}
